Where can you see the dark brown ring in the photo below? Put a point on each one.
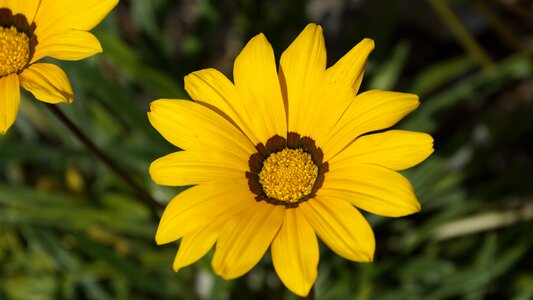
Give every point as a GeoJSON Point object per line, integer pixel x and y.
{"type": "Point", "coordinates": [20, 22]}
{"type": "Point", "coordinates": [276, 144]}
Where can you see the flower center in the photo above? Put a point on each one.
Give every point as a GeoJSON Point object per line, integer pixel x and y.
{"type": "Point", "coordinates": [286, 171]}
{"type": "Point", "coordinates": [14, 50]}
{"type": "Point", "coordinates": [288, 175]}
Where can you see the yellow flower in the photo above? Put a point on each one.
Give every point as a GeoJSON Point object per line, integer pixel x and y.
{"type": "Point", "coordinates": [33, 29]}
{"type": "Point", "coordinates": [281, 156]}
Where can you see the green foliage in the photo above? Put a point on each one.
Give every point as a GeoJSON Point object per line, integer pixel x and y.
{"type": "Point", "coordinates": [70, 229]}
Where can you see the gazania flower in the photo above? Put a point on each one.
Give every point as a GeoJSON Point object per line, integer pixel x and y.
{"type": "Point", "coordinates": [34, 29]}
{"type": "Point", "coordinates": [279, 157]}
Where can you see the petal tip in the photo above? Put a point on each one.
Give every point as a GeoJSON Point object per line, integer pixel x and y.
{"type": "Point", "coordinates": [418, 207]}
{"type": "Point", "coordinates": [194, 80]}
{"type": "Point", "coordinates": [158, 240]}
{"type": "Point", "coordinates": [259, 38]}
{"type": "Point", "coordinates": [414, 101]}
{"type": "Point", "coordinates": [223, 271]}
{"type": "Point", "coordinates": [313, 27]}
{"type": "Point", "coordinates": [151, 169]}
{"type": "Point", "coordinates": [414, 208]}
{"type": "Point", "coordinates": [368, 44]}
{"type": "Point", "coordinates": [161, 237]}
{"type": "Point", "coordinates": [70, 99]}
{"type": "Point", "coordinates": [97, 47]}
{"type": "Point", "coordinates": [177, 265]}
{"type": "Point", "coordinates": [370, 41]}
{"type": "Point", "coordinates": [155, 172]}
{"type": "Point", "coordinates": [302, 292]}
{"type": "Point", "coordinates": [220, 271]}
{"type": "Point", "coordinates": [369, 256]}
{"type": "Point", "coordinates": [176, 269]}
{"type": "Point", "coordinates": [151, 106]}
{"type": "Point", "coordinates": [408, 96]}
{"type": "Point", "coordinates": [150, 116]}
{"type": "Point", "coordinates": [154, 106]}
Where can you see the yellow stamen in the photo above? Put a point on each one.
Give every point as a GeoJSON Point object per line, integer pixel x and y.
{"type": "Point", "coordinates": [14, 50]}
{"type": "Point", "coordinates": [288, 175]}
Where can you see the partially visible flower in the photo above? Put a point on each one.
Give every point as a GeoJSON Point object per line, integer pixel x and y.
{"type": "Point", "coordinates": [33, 29]}
{"type": "Point", "coordinates": [281, 156]}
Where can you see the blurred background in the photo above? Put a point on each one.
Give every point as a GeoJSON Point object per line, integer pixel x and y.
{"type": "Point", "coordinates": [71, 229]}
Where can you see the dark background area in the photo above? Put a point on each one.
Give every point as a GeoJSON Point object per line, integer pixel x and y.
{"type": "Point", "coordinates": [70, 229]}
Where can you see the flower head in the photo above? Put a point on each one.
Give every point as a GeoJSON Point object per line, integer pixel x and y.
{"type": "Point", "coordinates": [34, 29]}
{"type": "Point", "coordinates": [279, 157]}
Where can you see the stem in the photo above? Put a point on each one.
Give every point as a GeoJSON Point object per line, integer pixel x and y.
{"type": "Point", "coordinates": [144, 195]}
{"type": "Point", "coordinates": [461, 33]}
{"type": "Point", "coordinates": [500, 27]}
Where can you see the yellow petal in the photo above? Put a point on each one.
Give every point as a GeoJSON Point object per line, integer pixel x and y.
{"type": "Point", "coordinates": [9, 101]}
{"type": "Point", "coordinates": [370, 111]}
{"type": "Point", "coordinates": [341, 227]}
{"type": "Point", "coordinates": [48, 83]}
{"type": "Point", "coordinates": [59, 15]}
{"type": "Point", "coordinates": [190, 167]}
{"type": "Point", "coordinates": [68, 45]}
{"type": "Point", "coordinates": [302, 66]}
{"type": "Point", "coordinates": [295, 253]}
{"type": "Point", "coordinates": [338, 89]}
{"type": "Point", "coordinates": [258, 85]}
{"type": "Point", "coordinates": [245, 239]}
{"type": "Point", "coordinates": [393, 149]}
{"type": "Point", "coordinates": [375, 189]}
{"type": "Point", "coordinates": [200, 205]}
{"type": "Point", "coordinates": [191, 126]}
{"type": "Point", "coordinates": [28, 8]}
{"type": "Point", "coordinates": [213, 89]}
{"type": "Point", "coordinates": [195, 245]}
